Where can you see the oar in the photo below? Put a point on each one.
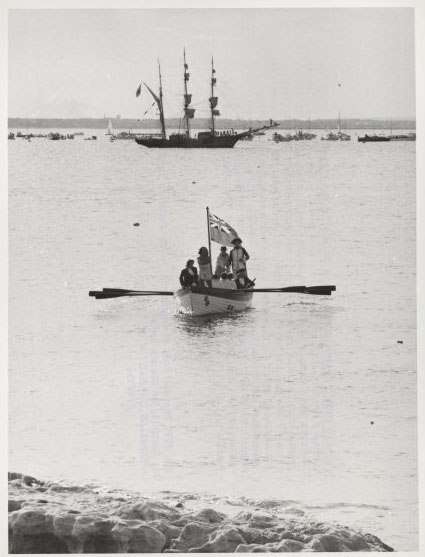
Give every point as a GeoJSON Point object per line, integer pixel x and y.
{"type": "Point", "coordinates": [117, 292]}
{"type": "Point", "coordinates": [318, 290]}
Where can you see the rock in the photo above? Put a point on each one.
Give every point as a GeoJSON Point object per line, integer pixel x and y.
{"type": "Point", "coordinates": [29, 521]}
{"type": "Point", "coordinates": [289, 546]}
{"type": "Point", "coordinates": [254, 548]}
{"type": "Point", "coordinates": [136, 537]}
{"type": "Point", "coordinates": [93, 534]}
{"type": "Point", "coordinates": [269, 504]}
{"type": "Point", "coordinates": [262, 520]}
{"type": "Point", "coordinates": [242, 518]}
{"type": "Point", "coordinates": [14, 505]}
{"type": "Point", "coordinates": [30, 531]}
{"type": "Point", "coordinates": [225, 541]}
{"type": "Point", "coordinates": [328, 543]}
{"type": "Point", "coordinates": [376, 544]}
{"type": "Point", "coordinates": [258, 535]}
{"type": "Point", "coordinates": [193, 535]}
{"type": "Point", "coordinates": [148, 510]}
{"type": "Point", "coordinates": [170, 532]}
{"type": "Point", "coordinates": [209, 515]}
{"type": "Point", "coordinates": [27, 480]}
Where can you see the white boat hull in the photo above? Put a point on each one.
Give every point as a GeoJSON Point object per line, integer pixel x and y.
{"type": "Point", "coordinates": [208, 301]}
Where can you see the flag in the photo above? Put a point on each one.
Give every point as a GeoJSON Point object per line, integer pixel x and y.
{"type": "Point", "coordinates": [221, 232]}
{"type": "Point", "coordinates": [139, 90]}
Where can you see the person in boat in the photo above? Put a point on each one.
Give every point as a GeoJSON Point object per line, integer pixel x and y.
{"type": "Point", "coordinates": [189, 274]}
{"type": "Point", "coordinates": [223, 262]}
{"type": "Point", "coordinates": [238, 257]}
{"type": "Point", "coordinates": [227, 281]}
{"type": "Point", "coordinates": [204, 262]}
{"type": "Point", "coordinates": [242, 280]}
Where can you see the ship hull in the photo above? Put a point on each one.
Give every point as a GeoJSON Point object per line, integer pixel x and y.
{"type": "Point", "coordinates": [210, 301]}
{"type": "Point", "coordinates": [184, 142]}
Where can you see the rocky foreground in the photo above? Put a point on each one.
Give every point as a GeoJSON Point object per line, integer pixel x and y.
{"type": "Point", "coordinates": [47, 517]}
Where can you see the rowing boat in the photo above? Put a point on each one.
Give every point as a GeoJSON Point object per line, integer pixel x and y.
{"type": "Point", "coordinates": [222, 296]}
{"type": "Point", "coordinates": [198, 300]}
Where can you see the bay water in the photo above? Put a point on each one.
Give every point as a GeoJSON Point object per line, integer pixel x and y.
{"type": "Point", "coordinates": [301, 398]}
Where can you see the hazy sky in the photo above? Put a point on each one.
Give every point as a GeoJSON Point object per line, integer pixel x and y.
{"type": "Point", "coordinates": [280, 63]}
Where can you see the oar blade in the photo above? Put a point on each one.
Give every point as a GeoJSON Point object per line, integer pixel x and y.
{"type": "Point", "coordinates": [320, 290]}
{"type": "Point", "coordinates": [99, 295]}
{"type": "Point", "coordinates": [106, 293]}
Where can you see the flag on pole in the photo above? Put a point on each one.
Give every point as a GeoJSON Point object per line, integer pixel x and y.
{"type": "Point", "coordinates": [221, 232]}
{"type": "Point", "coordinates": [139, 90]}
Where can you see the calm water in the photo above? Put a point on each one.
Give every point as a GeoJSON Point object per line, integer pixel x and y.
{"type": "Point", "coordinates": [303, 398]}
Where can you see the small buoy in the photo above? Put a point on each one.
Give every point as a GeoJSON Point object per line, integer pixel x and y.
{"type": "Point", "coordinates": [371, 423]}
{"type": "Point", "coordinates": [193, 182]}
{"type": "Point", "coordinates": [179, 505]}
{"type": "Point", "coordinates": [399, 342]}
{"type": "Point", "coordinates": [136, 224]}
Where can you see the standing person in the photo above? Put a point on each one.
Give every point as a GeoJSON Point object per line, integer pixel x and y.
{"type": "Point", "coordinates": [189, 274]}
{"type": "Point", "coordinates": [204, 262]}
{"type": "Point", "coordinates": [223, 262]}
{"type": "Point", "coordinates": [238, 257]}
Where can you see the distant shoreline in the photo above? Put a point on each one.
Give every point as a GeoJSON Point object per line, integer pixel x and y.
{"type": "Point", "coordinates": [203, 123]}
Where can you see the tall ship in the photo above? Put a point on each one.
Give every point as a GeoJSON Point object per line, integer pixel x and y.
{"type": "Point", "coordinates": [211, 139]}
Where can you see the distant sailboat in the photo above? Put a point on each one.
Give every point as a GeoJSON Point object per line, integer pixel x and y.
{"type": "Point", "coordinates": [211, 139]}
{"type": "Point", "coordinates": [109, 130]}
{"type": "Point", "coordinates": [339, 135]}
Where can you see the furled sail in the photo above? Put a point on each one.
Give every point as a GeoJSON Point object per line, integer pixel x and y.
{"type": "Point", "coordinates": [213, 102]}
{"type": "Point", "coordinates": [189, 112]}
{"type": "Point", "coordinates": [221, 232]}
{"type": "Point", "coordinates": [187, 99]}
{"type": "Point", "coordinates": [216, 112]}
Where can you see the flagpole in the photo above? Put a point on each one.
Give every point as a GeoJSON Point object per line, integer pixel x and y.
{"type": "Point", "coordinates": [209, 237]}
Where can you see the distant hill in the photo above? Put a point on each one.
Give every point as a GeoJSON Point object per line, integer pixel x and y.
{"type": "Point", "coordinates": [204, 123]}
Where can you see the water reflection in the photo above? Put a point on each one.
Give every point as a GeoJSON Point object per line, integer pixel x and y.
{"type": "Point", "coordinates": [213, 325]}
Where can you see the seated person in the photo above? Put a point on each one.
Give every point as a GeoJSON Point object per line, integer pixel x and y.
{"type": "Point", "coordinates": [189, 274]}
{"type": "Point", "coordinates": [242, 280]}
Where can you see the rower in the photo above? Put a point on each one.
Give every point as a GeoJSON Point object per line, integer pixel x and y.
{"type": "Point", "coordinates": [189, 274]}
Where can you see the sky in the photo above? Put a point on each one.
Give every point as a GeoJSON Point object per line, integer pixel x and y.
{"type": "Point", "coordinates": [270, 63]}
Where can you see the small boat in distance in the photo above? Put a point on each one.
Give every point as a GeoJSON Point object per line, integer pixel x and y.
{"type": "Point", "coordinates": [279, 138]}
{"type": "Point", "coordinates": [404, 137]}
{"type": "Point", "coordinates": [211, 139]}
{"type": "Point", "coordinates": [373, 138]}
{"type": "Point", "coordinates": [124, 135]}
{"type": "Point", "coordinates": [339, 135]}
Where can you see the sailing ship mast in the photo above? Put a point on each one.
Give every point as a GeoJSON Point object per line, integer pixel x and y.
{"type": "Point", "coordinates": [188, 111]}
{"type": "Point", "coordinates": [213, 100]}
{"type": "Point", "coordinates": [160, 104]}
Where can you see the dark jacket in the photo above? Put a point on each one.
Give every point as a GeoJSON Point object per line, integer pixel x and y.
{"type": "Point", "coordinates": [188, 276]}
